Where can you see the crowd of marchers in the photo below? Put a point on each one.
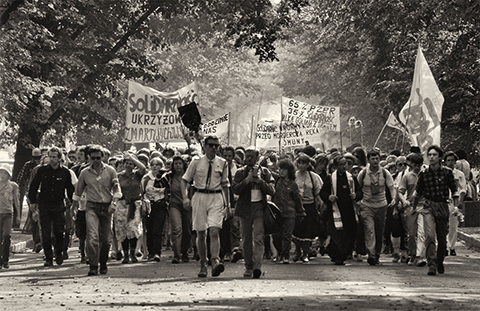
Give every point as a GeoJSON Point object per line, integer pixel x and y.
{"type": "Point", "coordinates": [211, 206]}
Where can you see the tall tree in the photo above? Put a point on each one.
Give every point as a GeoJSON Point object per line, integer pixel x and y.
{"type": "Point", "coordinates": [62, 59]}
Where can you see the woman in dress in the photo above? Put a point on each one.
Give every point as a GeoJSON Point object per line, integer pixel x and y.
{"type": "Point", "coordinates": [127, 218]}
{"type": "Point", "coordinates": [309, 185]}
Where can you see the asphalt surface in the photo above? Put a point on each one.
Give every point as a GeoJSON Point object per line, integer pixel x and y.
{"type": "Point", "coordinates": [318, 285]}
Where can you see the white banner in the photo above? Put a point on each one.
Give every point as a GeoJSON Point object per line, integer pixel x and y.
{"type": "Point", "coordinates": [152, 116]}
{"type": "Point", "coordinates": [302, 122]}
{"type": "Point", "coordinates": [218, 127]}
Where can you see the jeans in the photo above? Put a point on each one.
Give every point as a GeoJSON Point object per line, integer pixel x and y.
{"type": "Point", "coordinates": [374, 223]}
{"type": "Point", "coordinates": [155, 224]}
{"type": "Point", "coordinates": [181, 221]}
{"type": "Point", "coordinates": [6, 221]}
{"type": "Point", "coordinates": [283, 240]}
{"type": "Point", "coordinates": [435, 225]}
{"type": "Point", "coordinates": [253, 239]}
{"type": "Point", "coordinates": [52, 213]}
{"type": "Point", "coordinates": [99, 222]}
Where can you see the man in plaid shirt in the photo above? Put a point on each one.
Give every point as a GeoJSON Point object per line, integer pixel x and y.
{"type": "Point", "coordinates": [435, 184]}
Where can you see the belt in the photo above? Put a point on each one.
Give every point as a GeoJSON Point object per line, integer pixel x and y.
{"type": "Point", "coordinates": [437, 200]}
{"type": "Point", "coordinates": [98, 203]}
{"type": "Point", "coordinates": [208, 191]}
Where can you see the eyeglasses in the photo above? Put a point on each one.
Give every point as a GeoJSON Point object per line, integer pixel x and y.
{"type": "Point", "coordinates": [213, 145]}
{"type": "Point", "coordinates": [95, 158]}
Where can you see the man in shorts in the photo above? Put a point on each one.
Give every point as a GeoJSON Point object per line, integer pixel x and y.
{"type": "Point", "coordinates": [209, 174]}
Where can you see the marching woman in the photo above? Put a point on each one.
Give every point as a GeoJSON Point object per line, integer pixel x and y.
{"type": "Point", "coordinates": [309, 184]}
{"type": "Point", "coordinates": [127, 218]}
{"type": "Point", "coordinates": [155, 193]}
{"type": "Point", "coordinates": [287, 198]}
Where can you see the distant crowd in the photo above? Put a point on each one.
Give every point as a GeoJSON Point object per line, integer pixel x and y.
{"type": "Point", "coordinates": [226, 204]}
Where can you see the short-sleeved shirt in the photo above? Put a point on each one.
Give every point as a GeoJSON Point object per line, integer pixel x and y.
{"type": "Point", "coordinates": [378, 199]}
{"type": "Point", "coordinates": [98, 186]}
{"type": "Point", "coordinates": [130, 185]}
{"type": "Point", "coordinates": [407, 186]}
{"type": "Point", "coordinates": [198, 172]}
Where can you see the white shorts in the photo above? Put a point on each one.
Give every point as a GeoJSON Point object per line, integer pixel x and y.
{"type": "Point", "coordinates": [207, 210]}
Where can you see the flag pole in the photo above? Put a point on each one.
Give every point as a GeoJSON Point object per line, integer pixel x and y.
{"type": "Point", "coordinates": [381, 132]}
{"type": "Point", "coordinates": [258, 117]}
{"type": "Point", "coordinates": [229, 128]}
{"type": "Point", "coordinates": [280, 128]}
{"type": "Point", "coordinates": [396, 140]}
{"type": "Point", "coordinates": [252, 132]}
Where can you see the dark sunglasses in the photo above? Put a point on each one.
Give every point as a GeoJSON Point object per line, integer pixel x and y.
{"type": "Point", "coordinates": [95, 158]}
{"type": "Point", "coordinates": [213, 145]}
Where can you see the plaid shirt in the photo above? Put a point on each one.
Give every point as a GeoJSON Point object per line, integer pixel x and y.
{"type": "Point", "coordinates": [435, 184]}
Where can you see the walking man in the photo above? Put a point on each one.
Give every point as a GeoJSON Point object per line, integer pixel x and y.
{"type": "Point", "coordinates": [210, 179]}
{"type": "Point", "coordinates": [374, 181]}
{"type": "Point", "coordinates": [99, 183]}
{"type": "Point", "coordinates": [434, 184]}
{"type": "Point", "coordinates": [252, 184]}
{"type": "Point", "coordinates": [53, 180]}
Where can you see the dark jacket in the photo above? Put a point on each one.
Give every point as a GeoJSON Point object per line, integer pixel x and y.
{"type": "Point", "coordinates": [243, 190]}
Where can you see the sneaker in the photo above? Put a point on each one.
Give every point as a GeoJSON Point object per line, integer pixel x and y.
{"type": "Point", "coordinates": [396, 258]}
{"type": "Point", "coordinates": [156, 257]}
{"type": "Point", "coordinates": [103, 269]}
{"type": "Point", "coordinates": [218, 268]}
{"type": "Point", "coordinates": [203, 271]}
{"type": "Point", "coordinates": [453, 252]}
{"type": "Point", "coordinates": [286, 261]}
{"type": "Point", "coordinates": [421, 262]}
{"type": "Point", "coordinates": [48, 263]}
{"type": "Point", "coordinates": [248, 273]}
{"type": "Point", "coordinates": [432, 270]}
{"type": "Point", "coordinates": [441, 268]}
{"type": "Point", "coordinates": [176, 260]}
{"type": "Point", "coordinates": [257, 273]}
{"type": "Point", "coordinates": [305, 259]}
{"type": "Point", "coordinates": [92, 271]}
{"type": "Point", "coordinates": [237, 255]}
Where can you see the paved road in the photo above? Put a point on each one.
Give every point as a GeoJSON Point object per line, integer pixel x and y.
{"type": "Point", "coordinates": [318, 285]}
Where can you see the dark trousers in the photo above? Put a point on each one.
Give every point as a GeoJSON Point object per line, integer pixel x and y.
{"type": "Point", "coordinates": [6, 221]}
{"type": "Point", "coordinates": [282, 240]}
{"type": "Point", "coordinates": [52, 213]}
{"type": "Point", "coordinates": [155, 223]}
{"type": "Point", "coordinates": [181, 222]}
{"type": "Point", "coordinates": [435, 221]}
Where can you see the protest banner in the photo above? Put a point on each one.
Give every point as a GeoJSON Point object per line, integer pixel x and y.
{"type": "Point", "coordinates": [302, 123]}
{"type": "Point", "coordinates": [218, 127]}
{"type": "Point", "coordinates": [152, 116]}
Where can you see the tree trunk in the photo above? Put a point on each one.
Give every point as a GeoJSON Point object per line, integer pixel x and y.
{"type": "Point", "coordinates": [29, 137]}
